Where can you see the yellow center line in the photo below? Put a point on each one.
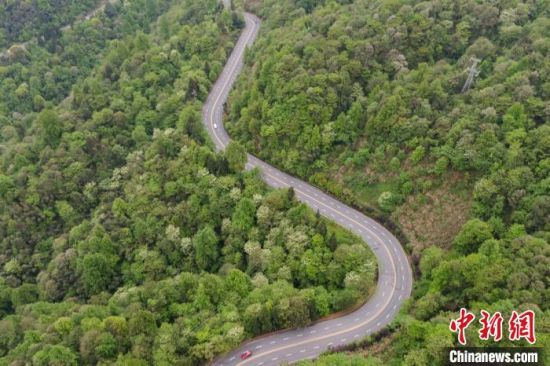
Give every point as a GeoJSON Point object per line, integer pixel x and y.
{"type": "Point", "coordinates": [321, 203]}
{"type": "Point", "coordinates": [225, 84]}
{"type": "Point", "coordinates": [347, 329]}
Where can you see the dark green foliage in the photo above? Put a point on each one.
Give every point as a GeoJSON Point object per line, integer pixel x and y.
{"type": "Point", "coordinates": [236, 156]}
{"type": "Point", "coordinates": [472, 235]}
{"type": "Point", "coordinates": [206, 248]}
{"type": "Point", "coordinates": [363, 98]}
{"type": "Point", "coordinates": [21, 20]}
{"type": "Point", "coordinates": [52, 129]}
{"type": "Point", "coordinates": [124, 238]}
{"type": "Point", "coordinates": [37, 75]}
{"type": "Point", "coordinates": [376, 84]}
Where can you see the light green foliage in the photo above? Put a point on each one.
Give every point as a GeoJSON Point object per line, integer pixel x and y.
{"type": "Point", "coordinates": [7, 187]}
{"type": "Point", "coordinates": [125, 238]}
{"type": "Point", "coordinates": [236, 156]}
{"type": "Point", "coordinates": [387, 201]}
{"type": "Point", "coordinates": [205, 243]}
{"type": "Point", "coordinates": [381, 81]}
{"type": "Point", "coordinates": [441, 165]}
{"type": "Point", "coordinates": [431, 257]}
{"type": "Point", "coordinates": [472, 235]}
{"type": "Point", "coordinates": [418, 154]}
{"type": "Point", "coordinates": [243, 217]}
{"type": "Point", "coordinates": [55, 355]}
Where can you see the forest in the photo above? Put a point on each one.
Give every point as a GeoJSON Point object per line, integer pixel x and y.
{"type": "Point", "coordinates": [21, 20]}
{"type": "Point", "coordinates": [124, 238]}
{"type": "Point", "coordinates": [365, 99]}
{"type": "Point", "coordinates": [38, 76]}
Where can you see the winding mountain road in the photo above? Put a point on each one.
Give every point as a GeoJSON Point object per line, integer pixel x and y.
{"type": "Point", "coordinates": [394, 277]}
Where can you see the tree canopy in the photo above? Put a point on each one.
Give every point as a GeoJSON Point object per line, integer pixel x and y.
{"type": "Point", "coordinates": [124, 237]}
{"type": "Point", "coordinates": [365, 99]}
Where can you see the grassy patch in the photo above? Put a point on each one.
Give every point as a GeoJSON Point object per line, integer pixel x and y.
{"type": "Point", "coordinates": [366, 189]}
{"type": "Point", "coordinates": [343, 236]}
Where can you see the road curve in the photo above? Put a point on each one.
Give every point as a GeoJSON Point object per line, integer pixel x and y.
{"type": "Point", "coordinates": [394, 277]}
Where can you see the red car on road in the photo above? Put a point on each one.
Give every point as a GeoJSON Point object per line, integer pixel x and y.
{"type": "Point", "coordinates": [245, 355]}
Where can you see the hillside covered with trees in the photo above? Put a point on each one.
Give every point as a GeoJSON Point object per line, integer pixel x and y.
{"type": "Point", "coordinates": [21, 20]}
{"type": "Point", "coordinates": [124, 238]}
{"type": "Point", "coordinates": [40, 75]}
{"type": "Point", "coordinates": [365, 99]}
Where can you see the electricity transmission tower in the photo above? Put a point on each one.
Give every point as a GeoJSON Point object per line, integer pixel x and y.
{"type": "Point", "coordinates": [472, 73]}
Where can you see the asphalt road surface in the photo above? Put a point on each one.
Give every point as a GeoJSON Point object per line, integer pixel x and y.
{"type": "Point", "coordinates": [394, 277]}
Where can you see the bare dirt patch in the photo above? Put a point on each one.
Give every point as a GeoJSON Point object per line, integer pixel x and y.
{"type": "Point", "coordinates": [434, 218]}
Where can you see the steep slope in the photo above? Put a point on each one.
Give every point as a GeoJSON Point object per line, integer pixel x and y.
{"type": "Point", "coordinates": [366, 99]}
{"type": "Point", "coordinates": [394, 277]}
{"type": "Point", "coordinates": [23, 20]}
{"type": "Point", "coordinates": [126, 239]}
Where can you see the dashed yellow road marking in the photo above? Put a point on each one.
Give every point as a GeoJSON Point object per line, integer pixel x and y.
{"type": "Point", "coordinates": [321, 203]}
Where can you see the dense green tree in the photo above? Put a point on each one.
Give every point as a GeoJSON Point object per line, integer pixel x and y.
{"type": "Point", "coordinates": [120, 225]}
{"type": "Point", "coordinates": [205, 243]}
{"type": "Point", "coordinates": [51, 126]}
{"type": "Point", "coordinates": [387, 201]}
{"type": "Point", "coordinates": [243, 217]}
{"type": "Point", "coordinates": [364, 99]}
{"type": "Point", "coordinates": [96, 272]}
{"type": "Point", "coordinates": [236, 156]}
{"type": "Point", "coordinates": [55, 355]}
{"type": "Point", "coordinates": [46, 18]}
{"type": "Point", "coordinates": [472, 235]}
{"type": "Point", "coordinates": [7, 187]}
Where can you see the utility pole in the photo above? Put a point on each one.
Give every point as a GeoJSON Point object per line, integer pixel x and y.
{"type": "Point", "coordinates": [472, 73]}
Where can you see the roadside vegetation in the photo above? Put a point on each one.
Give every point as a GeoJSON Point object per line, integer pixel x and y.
{"type": "Point", "coordinates": [124, 238]}
{"type": "Point", "coordinates": [365, 99]}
